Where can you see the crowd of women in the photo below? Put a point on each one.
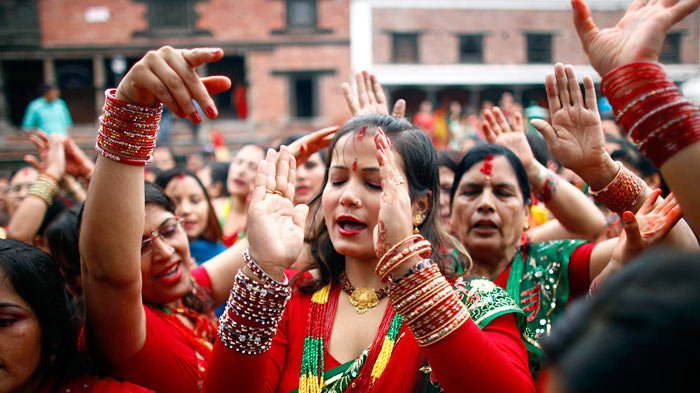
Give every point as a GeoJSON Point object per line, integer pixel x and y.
{"type": "Point", "coordinates": [357, 258]}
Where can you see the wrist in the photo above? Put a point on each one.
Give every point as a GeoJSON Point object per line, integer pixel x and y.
{"type": "Point", "coordinates": [536, 175]}
{"type": "Point", "coordinates": [600, 175]}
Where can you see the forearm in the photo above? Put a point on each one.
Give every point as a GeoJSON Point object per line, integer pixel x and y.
{"type": "Point", "coordinates": [113, 221]}
{"type": "Point", "coordinates": [572, 208]}
{"type": "Point", "coordinates": [683, 177]}
{"type": "Point", "coordinates": [27, 219]}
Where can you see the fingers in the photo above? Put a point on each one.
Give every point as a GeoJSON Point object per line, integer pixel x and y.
{"type": "Point", "coordinates": [562, 85]}
{"type": "Point", "coordinates": [631, 228]}
{"type": "Point", "coordinates": [361, 90]}
{"type": "Point", "coordinates": [399, 110]}
{"type": "Point", "coordinates": [350, 99]}
{"type": "Point", "coordinates": [391, 177]}
{"type": "Point", "coordinates": [291, 178]}
{"type": "Point", "coordinates": [216, 84]}
{"type": "Point", "coordinates": [282, 171]}
{"type": "Point", "coordinates": [591, 99]}
{"type": "Point", "coordinates": [574, 89]}
{"type": "Point", "coordinates": [500, 119]}
{"type": "Point", "coordinates": [167, 68]}
{"type": "Point", "coordinates": [519, 122]}
{"type": "Point", "coordinates": [31, 160]}
{"type": "Point", "coordinates": [649, 202]}
{"type": "Point", "coordinates": [260, 185]}
{"type": "Point", "coordinates": [669, 204]}
{"type": "Point", "coordinates": [271, 158]}
{"type": "Point", "coordinates": [683, 9]}
{"type": "Point", "coordinates": [379, 96]}
{"type": "Point", "coordinates": [550, 84]}
{"type": "Point", "coordinates": [369, 88]}
{"type": "Point", "coordinates": [583, 21]}
{"type": "Point", "coordinates": [180, 62]}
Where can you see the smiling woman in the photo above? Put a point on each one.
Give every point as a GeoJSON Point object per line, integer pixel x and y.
{"type": "Point", "coordinates": [38, 341]}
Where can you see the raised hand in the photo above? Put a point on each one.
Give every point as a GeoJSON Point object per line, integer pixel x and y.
{"type": "Point", "coordinates": [275, 228]}
{"type": "Point", "coordinates": [575, 136]}
{"type": "Point", "coordinates": [647, 228]}
{"type": "Point", "coordinates": [52, 157]}
{"type": "Point", "coordinates": [370, 97]}
{"type": "Point", "coordinates": [168, 76]}
{"type": "Point", "coordinates": [77, 163]}
{"type": "Point", "coordinates": [306, 146]}
{"type": "Point", "coordinates": [497, 131]}
{"type": "Point", "coordinates": [395, 221]}
{"type": "Point", "coordinates": [637, 37]}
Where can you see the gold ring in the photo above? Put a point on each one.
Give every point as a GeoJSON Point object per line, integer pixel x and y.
{"type": "Point", "coordinates": [278, 192]}
{"type": "Point", "coordinates": [269, 191]}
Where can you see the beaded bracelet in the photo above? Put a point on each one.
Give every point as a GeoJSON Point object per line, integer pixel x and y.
{"type": "Point", "coordinates": [260, 273]}
{"type": "Point", "coordinates": [624, 192]}
{"type": "Point", "coordinates": [549, 187]}
{"type": "Point", "coordinates": [45, 187]}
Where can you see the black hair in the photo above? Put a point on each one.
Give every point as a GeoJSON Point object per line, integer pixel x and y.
{"type": "Point", "coordinates": [154, 195]}
{"type": "Point", "coordinates": [539, 147]}
{"type": "Point", "coordinates": [219, 174]}
{"type": "Point", "coordinates": [639, 332]}
{"type": "Point", "coordinates": [212, 231]}
{"type": "Point", "coordinates": [479, 153]}
{"type": "Point", "coordinates": [421, 170]}
{"type": "Point", "coordinates": [35, 277]}
{"type": "Point", "coordinates": [449, 158]}
{"type": "Point", "coordinates": [62, 237]}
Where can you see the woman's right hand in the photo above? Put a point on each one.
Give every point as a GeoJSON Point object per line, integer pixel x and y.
{"type": "Point", "coordinates": [306, 146]}
{"type": "Point", "coordinates": [275, 229]}
{"type": "Point", "coordinates": [370, 97]}
{"type": "Point", "coordinates": [168, 76]}
{"type": "Point", "coordinates": [52, 156]}
{"type": "Point", "coordinates": [637, 37]}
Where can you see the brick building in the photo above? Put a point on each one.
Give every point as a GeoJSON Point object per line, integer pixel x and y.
{"type": "Point", "coordinates": [472, 50]}
{"type": "Point", "coordinates": [286, 58]}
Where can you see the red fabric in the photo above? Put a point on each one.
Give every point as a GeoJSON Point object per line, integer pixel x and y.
{"type": "Point", "coordinates": [492, 360]}
{"type": "Point", "coordinates": [89, 384]}
{"type": "Point", "coordinates": [168, 361]}
{"type": "Point", "coordinates": [580, 270]}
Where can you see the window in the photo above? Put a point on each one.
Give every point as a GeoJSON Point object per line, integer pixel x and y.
{"type": "Point", "coordinates": [539, 48]}
{"type": "Point", "coordinates": [471, 48]}
{"type": "Point", "coordinates": [301, 14]}
{"type": "Point", "coordinates": [168, 18]}
{"type": "Point", "coordinates": [404, 47]}
{"type": "Point", "coordinates": [303, 100]}
{"type": "Point", "coordinates": [671, 51]}
{"type": "Point", "coordinates": [19, 24]}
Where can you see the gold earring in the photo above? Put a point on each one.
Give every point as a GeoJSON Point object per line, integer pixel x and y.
{"type": "Point", "coordinates": [417, 220]}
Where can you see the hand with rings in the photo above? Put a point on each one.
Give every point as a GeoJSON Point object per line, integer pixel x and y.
{"type": "Point", "coordinates": [395, 210]}
{"type": "Point", "coordinates": [275, 228]}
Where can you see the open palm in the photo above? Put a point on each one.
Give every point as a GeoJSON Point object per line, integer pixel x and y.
{"type": "Point", "coordinates": [275, 226]}
{"type": "Point", "coordinates": [637, 37]}
{"type": "Point", "coordinates": [575, 136]}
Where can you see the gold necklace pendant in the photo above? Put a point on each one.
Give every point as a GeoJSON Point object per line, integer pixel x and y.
{"type": "Point", "coordinates": [363, 299]}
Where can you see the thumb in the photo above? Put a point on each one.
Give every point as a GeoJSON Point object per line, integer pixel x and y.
{"type": "Point", "coordinates": [546, 130]}
{"type": "Point", "coordinates": [631, 228]}
{"type": "Point", "coordinates": [399, 110]}
{"type": "Point", "coordinates": [31, 160]}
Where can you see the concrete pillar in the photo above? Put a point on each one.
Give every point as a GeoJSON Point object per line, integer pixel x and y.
{"type": "Point", "coordinates": [49, 70]}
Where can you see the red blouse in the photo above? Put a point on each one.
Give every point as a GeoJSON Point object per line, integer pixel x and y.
{"type": "Point", "coordinates": [490, 360]}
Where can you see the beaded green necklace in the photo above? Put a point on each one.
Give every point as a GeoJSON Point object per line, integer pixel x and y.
{"type": "Point", "coordinates": [324, 303]}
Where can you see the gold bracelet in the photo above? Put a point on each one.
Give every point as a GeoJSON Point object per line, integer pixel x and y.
{"type": "Point", "coordinates": [44, 187]}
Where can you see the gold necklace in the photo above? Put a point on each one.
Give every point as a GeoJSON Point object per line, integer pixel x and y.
{"type": "Point", "coordinates": [361, 298]}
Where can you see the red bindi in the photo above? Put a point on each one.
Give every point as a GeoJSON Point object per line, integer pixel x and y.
{"type": "Point", "coordinates": [487, 167]}
{"type": "Point", "coordinates": [354, 165]}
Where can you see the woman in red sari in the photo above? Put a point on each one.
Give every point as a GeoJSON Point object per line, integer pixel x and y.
{"type": "Point", "coordinates": [351, 330]}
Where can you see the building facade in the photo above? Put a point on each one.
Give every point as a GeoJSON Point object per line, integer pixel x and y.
{"type": "Point", "coordinates": [286, 58]}
{"type": "Point", "coordinates": [472, 51]}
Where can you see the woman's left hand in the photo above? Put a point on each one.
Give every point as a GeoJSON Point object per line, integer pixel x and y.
{"type": "Point", "coordinates": [647, 228]}
{"type": "Point", "coordinates": [395, 221]}
{"type": "Point", "coordinates": [370, 97]}
{"type": "Point", "coordinates": [306, 146]}
{"type": "Point", "coordinates": [497, 131]}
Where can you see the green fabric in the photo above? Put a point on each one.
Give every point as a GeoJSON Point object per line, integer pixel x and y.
{"type": "Point", "coordinates": [345, 372]}
{"type": "Point", "coordinates": [540, 286]}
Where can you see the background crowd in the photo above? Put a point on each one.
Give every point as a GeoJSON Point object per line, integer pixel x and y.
{"type": "Point", "coordinates": [503, 249]}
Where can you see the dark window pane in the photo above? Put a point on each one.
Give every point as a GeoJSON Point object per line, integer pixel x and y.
{"type": "Point", "coordinates": [539, 48]}
{"type": "Point", "coordinates": [170, 15]}
{"type": "Point", "coordinates": [404, 47]}
{"type": "Point", "coordinates": [471, 48]}
{"type": "Point", "coordinates": [671, 51]}
{"type": "Point", "coordinates": [301, 13]}
{"type": "Point", "coordinates": [303, 100]}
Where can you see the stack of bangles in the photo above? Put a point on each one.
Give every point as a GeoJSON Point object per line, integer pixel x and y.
{"type": "Point", "coordinates": [625, 191]}
{"type": "Point", "coordinates": [253, 310]}
{"type": "Point", "coordinates": [127, 132]}
{"type": "Point", "coordinates": [651, 108]}
{"type": "Point", "coordinates": [45, 187]}
{"type": "Point", "coordinates": [425, 299]}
